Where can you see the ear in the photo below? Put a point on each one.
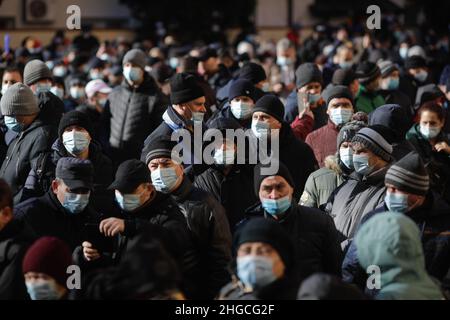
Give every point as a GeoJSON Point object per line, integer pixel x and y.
{"type": "Point", "coordinates": [54, 186]}
{"type": "Point", "coordinates": [6, 215]}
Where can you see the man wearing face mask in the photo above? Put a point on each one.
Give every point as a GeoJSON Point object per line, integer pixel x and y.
{"type": "Point", "coordinates": [134, 109]}
{"type": "Point", "coordinates": [63, 211]}
{"type": "Point", "coordinates": [408, 192]}
{"type": "Point", "coordinates": [369, 76]}
{"type": "Point", "coordinates": [414, 76]}
{"type": "Point", "coordinates": [340, 111]}
{"type": "Point", "coordinates": [365, 190]}
{"type": "Point", "coordinates": [230, 183]}
{"type": "Point", "coordinates": [264, 263]}
{"type": "Point", "coordinates": [11, 75]}
{"type": "Point", "coordinates": [45, 269]}
{"type": "Point", "coordinates": [97, 92]}
{"type": "Point", "coordinates": [267, 125]}
{"type": "Point", "coordinates": [39, 78]}
{"type": "Point", "coordinates": [141, 205]}
{"type": "Point", "coordinates": [321, 183]}
{"type": "Point", "coordinates": [96, 69]}
{"type": "Point", "coordinates": [13, 244]}
{"type": "Point", "coordinates": [390, 82]}
{"type": "Point", "coordinates": [33, 137]}
{"type": "Point", "coordinates": [308, 227]}
{"type": "Point", "coordinates": [187, 110]}
{"type": "Point", "coordinates": [241, 100]}
{"type": "Point", "coordinates": [206, 218]}
{"type": "Point", "coordinates": [76, 94]}
{"type": "Point", "coordinates": [309, 84]}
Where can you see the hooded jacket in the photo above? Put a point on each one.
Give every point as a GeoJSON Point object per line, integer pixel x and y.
{"type": "Point", "coordinates": [393, 244]}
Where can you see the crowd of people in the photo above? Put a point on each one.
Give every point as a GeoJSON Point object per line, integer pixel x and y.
{"type": "Point", "coordinates": [88, 175]}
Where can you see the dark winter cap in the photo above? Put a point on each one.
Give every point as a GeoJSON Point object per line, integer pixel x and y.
{"type": "Point", "coordinates": [161, 147]}
{"type": "Point", "coordinates": [136, 57]}
{"type": "Point", "coordinates": [253, 72]}
{"type": "Point", "coordinates": [332, 92]}
{"type": "Point", "coordinates": [184, 88]}
{"type": "Point", "coordinates": [377, 139]}
{"type": "Point", "coordinates": [271, 105]}
{"type": "Point", "coordinates": [19, 100]}
{"type": "Point", "coordinates": [48, 255]}
{"type": "Point", "coordinates": [130, 175]}
{"type": "Point", "coordinates": [387, 67]}
{"type": "Point", "coordinates": [75, 173]}
{"type": "Point", "coordinates": [415, 62]}
{"type": "Point", "coordinates": [75, 118]}
{"type": "Point", "coordinates": [259, 176]}
{"type": "Point", "coordinates": [241, 87]}
{"type": "Point", "coordinates": [36, 70]}
{"type": "Point", "coordinates": [307, 73]}
{"type": "Point", "coordinates": [366, 72]}
{"type": "Point", "coordinates": [348, 131]}
{"type": "Point", "coordinates": [266, 231]}
{"type": "Point", "coordinates": [343, 77]}
{"type": "Point", "coordinates": [409, 175]}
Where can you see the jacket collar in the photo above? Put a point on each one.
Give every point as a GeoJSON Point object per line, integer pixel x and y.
{"type": "Point", "coordinates": [173, 119]}
{"type": "Point", "coordinates": [183, 190]}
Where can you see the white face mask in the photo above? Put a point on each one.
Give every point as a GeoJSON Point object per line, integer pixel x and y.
{"type": "Point", "coordinates": [57, 92]}
{"type": "Point", "coordinates": [260, 129]}
{"type": "Point", "coordinates": [240, 109]}
{"type": "Point", "coordinates": [4, 88]}
{"type": "Point", "coordinates": [224, 157]}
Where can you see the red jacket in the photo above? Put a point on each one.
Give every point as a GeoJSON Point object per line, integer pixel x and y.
{"type": "Point", "coordinates": [323, 141]}
{"type": "Point", "coordinates": [302, 127]}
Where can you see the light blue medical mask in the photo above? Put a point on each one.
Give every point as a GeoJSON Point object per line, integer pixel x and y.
{"type": "Point", "coordinates": [260, 129]}
{"type": "Point", "coordinates": [164, 179]}
{"type": "Point", "coordinates": [392, 84]}
{"type": "Point", "coordinates": [174, 62]}
{"type": "Point", "coordinates": [276, 207]}
{"type": "Point", "coordinates": [224, 157]}
{"type": "Point", "coordinates": [346, 156]}
{"type": "Point", "coordinates": [128, 202]}
{"type": "Point", "coordinates": [132, 74]}
{"type": "Point", "coordinates": [75, 142]}
{"type": "Point", "coordinates": [102, 102]}
{"type": "Point", "coordinates": [361, 164]}
{"type": "Point", "coordinates": [346, 65]}
{"type": "Point", "coordinates": [429, 132]}
{"type": "Point", "coordinates": [43, 87]}
{"type": "Point", "coordinates": [95, 75]}
{"type": "Point", "coordinates": [4, 88]}
{"type": "Point", "coordinates": [57, 92]}
{"type": "Point", "coordinates": [255, 271]}
{"type": "Point", "coordinates": [396, 202]}
{"type": "Point", "coordinates": [197, 117]}
{"type": "Point", "coordinates": [77, 93]}
{"type": "Point", "coordinates": [59, 71]}
{"type": "Point", "coordinates": [241, 110]}
{"type": "Point", "coordinates": [421, 76]}
{"type": "Point", "coordinates": [42, 290]}
{"type": "Point", "coordinates": [266, 87]}
{"type": "Point", "coordinates": [340, 116]}
{"type": "Point", "coordinates": [313, 98]}
{"type": "Point", "coordinates": [75, 203]}
{"type": "Point", "coordinates": [13, 125]}
{"type": "Point", "coordinates": [403, 52]}
{"type": "Point", "coordinates": [284, 61]}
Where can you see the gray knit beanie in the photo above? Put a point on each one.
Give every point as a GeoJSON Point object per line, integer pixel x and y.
{"type": "Point", "coordinates": [19, 100]}
{"type": "Point", "coordinates": [137, 57]}
{"type": "Point", "coordinates": [36, 70]}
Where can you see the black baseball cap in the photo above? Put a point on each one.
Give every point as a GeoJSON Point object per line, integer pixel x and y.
{"type": "Point", "coordinates": [76, 173]}
{"type": "Point", "coordinates": [130, 175]}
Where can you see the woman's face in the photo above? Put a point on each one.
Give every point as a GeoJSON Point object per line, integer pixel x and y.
{"type": "Point", "coordinates": [430, 119]}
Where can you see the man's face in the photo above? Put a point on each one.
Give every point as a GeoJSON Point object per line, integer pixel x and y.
{"type": "Point", "coordinates": [414, 200]}
{"type": "Point", "coordinates": [209, 66]}
{"type": "Point", "coordinates": [46, 82]}
{"type": "Point", "coordinates": [60, 189]}
{"type": "Point", "coordinates": [264, 117]}
{"type": "Point", "coordinates": [10, 78]}
{"type": "Point", "coordinates": [263, 250]}
{"type": "Point", "coordinates": [415, 71]}
{"type": "Point", "coordinates": [337, 103]}
{"type": "Point", "coordinates": [6, 215]}
{"type": "Point", "coordinates": [144, 191]}
{"type": "Point", "coordinates": [274, 188]}
{"type": "Point", "coordinates": [164, 163]}
{"type": "Point", "coordinates": [311, 88]}
{"type": "Point", "coordinates": [360, 149]}
{"type": "Point", "coordinates": [186, 109]}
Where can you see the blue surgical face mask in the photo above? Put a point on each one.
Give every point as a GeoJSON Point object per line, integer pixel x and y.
{"type": "Point", "coordinates": [260, 129]}
{"type": "Point", "coordinates": [173, 62]}
{"type": "Point", "coordinates": [421, 76]}
{"type": "Point", "coordinates": [255, 271]}
{"type": "Point", "coordinates": [241, 110]}
{"type": "Point", "coordinates": [284, 61]}
{"type": "Point", "coordinates": [42, 290]}
{"type": "Point", "coordinates": [340, 116]}
{"type": "Point", "coordinates": [346, 65]}
{"type": "Point", "coordinates": [57, 92]}
{"type": "Point", "coordinates": [43, 87]}
{"type": "Point", "coordinates": [75, 142]}
{"type": "Point", "coordinates": [75, 203]}
{"type": "Point", "coordinates": [403, 52]}
{"type": "Point", "coordinates": [59, 71]}
{"type": "Point", "coordinates": [132, 74]}
{"type": "Point", "coordinates": [77, 93]}
{"type": "Point", "coordinates": [164, 179]}
{"type": "Point", "coordinates": [276, 207]}
{"type": "Point", "coordinates": [391, 84]}
{"type": "Point", "coordinates": [396, 202]}
{"type": "Point", "coordinates": [429, 132]}
{"type": "Point", "coordinates": [266, 87]}
{"type": "Point", "coordinates": [313, 98]}
{"type": "Point", "coordinates": [224, 157]}
{"type": "Point", "coordinates": [128, 202]}
{"type": "Point", "coordinates": [361, 164]}
{"type": "Point", "coordinates": [95, 75]}
{"type": "Point", "coordinates": [102, 102]}
{"type": "Point", "coordinates": [13, 125]}
{"type": "Point", "coordinates": [346, 156]}
{"type": "Point", "coordinates": [197, 117]}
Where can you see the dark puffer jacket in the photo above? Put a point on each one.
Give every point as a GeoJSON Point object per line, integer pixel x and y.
{"type": "Point", "coordinates": [433, 220]}
{"type": "Point", "coordinates": [23, 152]}
{"type": "Point", "coordinates": [132, 114]}
{"type": "Point", "coordinates": [315, 238]}
{"type": "Point", "coordinates": [207, 220]}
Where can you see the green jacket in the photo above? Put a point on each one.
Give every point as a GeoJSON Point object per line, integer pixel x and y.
{"type": "Point", "coordinates": [367, 101]}
{"type": "Point", "coordinates": [319, 186]}
{"type": "Point", "coordinates": [391, 241]}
